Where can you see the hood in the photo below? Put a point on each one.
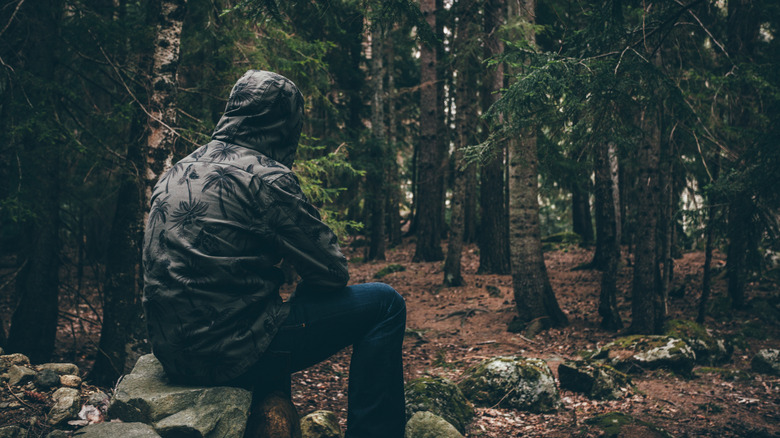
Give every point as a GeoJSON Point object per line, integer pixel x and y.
{"type": "Point", "coordinates": [264, 113]}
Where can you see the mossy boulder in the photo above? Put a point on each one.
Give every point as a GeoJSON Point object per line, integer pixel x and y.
{"type": "Point", "coordinates": [597, 381]}
{"type": "Point", "coordinates": [320, 424]}
{"type": "Point", "coordinates": [428, 425]}
{"type": "Point", "coordinates": [512, 382]}
{"type": "Point", "coordinates": [635, 354]}
{"type": "Point", "coordinates": [767, 362]}
{"type": "Point", "coordinates": [618, 424]}
{"type": "Point", "coordinates": [441, 397]}
{"type": "Point", "coordinates": [389, 269]}
{"type": "Point", "coordinates": [708, 349]}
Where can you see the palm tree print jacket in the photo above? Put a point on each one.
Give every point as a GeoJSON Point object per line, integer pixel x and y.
{"type": "Point", "coordinates": [221, 220]}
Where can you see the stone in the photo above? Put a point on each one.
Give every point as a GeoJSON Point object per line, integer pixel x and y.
{"type": "Point", "coordinates": [117, 430]}
{"type": "Point", "coordinates": [8, 360]}
{"type": "Point", "coordinates": [766, 361]}
{"type": "Point", "coordinates": [60, 368]}
{"type": "Point", "coordinates": [46, 379]}
{"type": "Point", "coordinates": [67, 402]}
{"type": "Point", "coordinates": [441, 397]}
{"type": "Point", "coordinates": [70, 381]}
{"type": "Point", "coordinates": [512, 382]}
{"type": "Point", "coordinates": [57, 434]}
{"type": "Point", "coordinates": [320, 424]}
{"type": "Point", "coordinates": [98, 399]}
{"type": "Point", "coordinates": [637, 353]}
{"type": "Point", "coordinates": [595, 380]}
{"type": "Point", "coordinates": [428, 425]}
{"type": "Point", "coordinates": [12, 432]}
{"type": "Point", "coordinates": [19, 375]}
{"type": "Point", "coordinates": [708, 349]}
{"type": "Point", "coordinates": [145, 395]}
{"type": "Point", "coordinates": [618, 425]}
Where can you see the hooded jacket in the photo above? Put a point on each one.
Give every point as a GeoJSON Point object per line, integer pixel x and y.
{"type": "Point", "coordinates": [221, 221]}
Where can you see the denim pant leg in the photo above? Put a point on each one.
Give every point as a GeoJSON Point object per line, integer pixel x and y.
{"type": "Point", "coordinates": [372, 318]}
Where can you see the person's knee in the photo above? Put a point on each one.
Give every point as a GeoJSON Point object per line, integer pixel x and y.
{"type": "Point", "coordinates": [395, 303]}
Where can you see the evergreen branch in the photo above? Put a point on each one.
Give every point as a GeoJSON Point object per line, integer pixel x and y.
{"type": "Point", "coordinates": [13, 15]}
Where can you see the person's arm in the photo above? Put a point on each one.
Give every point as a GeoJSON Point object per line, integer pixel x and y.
{"type": "Point", "coordinates": [304, 240]}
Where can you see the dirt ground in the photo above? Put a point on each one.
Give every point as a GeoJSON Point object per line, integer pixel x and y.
{"type": "Point", "coordinates": [450, 329]}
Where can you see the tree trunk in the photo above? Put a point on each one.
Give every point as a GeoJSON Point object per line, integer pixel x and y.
{"type": "Point", "coordinates": [464, 98]}
{"type": "Point", "coordinates": [376, 171]}
{"type": "Point", "coordinates": [394, 182]}
{"type": "Point", "coordinates": [34, 321]}
{"type": "Point", "coordinates": [429, 179]}
{"type": "Point", "coordinates": [647, 304]}
{"type": "Point", "coordinates": [534, 296]}
{"type": "Point", "coordinates": [606, 195]}
{"type": "Point", "coordinates": [582, 223]}
{"type": "Point", "coordinates": [493, 238]}
{"type": "Point", "coordinates": [707, 268]}
{"type": "Point", "coordinates": [122, 331]}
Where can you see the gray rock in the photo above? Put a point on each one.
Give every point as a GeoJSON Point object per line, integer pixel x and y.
{"type": "Point", "coordinates": [512, 382]}
{"type": "Point", "coordinates": [19, 375]}
{"type": "Point", "coordinates": [12, 432]}
{"type": "Point", "coordinates": [8, 360]}
{"type": "Point", "coordinates": [70, 381]}
{"type": "Point", "coordinates": [146, 396]}
{"type": "Point", "coordinates": [46, 379]}
{"type": "Point", "coordinates": [708, 349]}
{"type": "Point", "coordinates": [597, 381]}
{"type": "Point", "coordinates": [320, 424]}
{"type": "Point", "coordinates": [118, 430]}
{"type": "Point", "coordinates": [635, 354]}
{"type": "Point", "coordinates": [767, 362]}
{"type": "Point", "coordinates": [57, 434]}
{"type": "Point", "coordinates": [441, 397]}
{"type": "Point", "coordinates": [67, 402]}
{"type": "Point", "coordinates": [98, 399]}
{"type": "Point", "coordinates": [428, 425]}
{"type": "Point", "coordinates": [61, 368]}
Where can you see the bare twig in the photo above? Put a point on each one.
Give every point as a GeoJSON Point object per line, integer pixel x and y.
{"type": "Point", "coordinates": [15, 396]}
{"type": "Point", "coordinates": [10, 20]}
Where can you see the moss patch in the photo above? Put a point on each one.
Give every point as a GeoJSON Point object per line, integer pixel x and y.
{"type": "Point", "coordinates": [389, 269]}
{"type": "Point", "coordinates": [615, 424]}
{"type": "Point", "coordinates": [441, 397]}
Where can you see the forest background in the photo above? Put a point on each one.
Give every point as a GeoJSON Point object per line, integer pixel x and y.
{"type": "Point", "coordinates": [641, 129]}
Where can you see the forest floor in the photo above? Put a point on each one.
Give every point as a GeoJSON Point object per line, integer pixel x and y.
{"type": "Point", "coordinates": [452, 329]}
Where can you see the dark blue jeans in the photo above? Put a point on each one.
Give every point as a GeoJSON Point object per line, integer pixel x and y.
{"type": "Point", "coordinates": [372, 318]}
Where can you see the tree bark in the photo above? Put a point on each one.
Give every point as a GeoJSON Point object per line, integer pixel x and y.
{"type": "Point", "coordinates": [376, 172]}
{"type": "Point", "coordinates": [606, 197]}
{"type": "Point", "coordinates": [534, 296]}
{"type": "Point", "coordinates": [493, 238]}
{"type": "Point", "coordinates": [647, 304]}
{"type": "Point", "coordinates": [123, 332]}
{"type": "Point", "coordinates": [430, 184]}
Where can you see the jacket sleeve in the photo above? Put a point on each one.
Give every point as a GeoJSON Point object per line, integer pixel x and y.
{"type": "Point", "coordinates": [304, 240]}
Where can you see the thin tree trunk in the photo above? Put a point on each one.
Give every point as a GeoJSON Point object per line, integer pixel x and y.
{"type": "Point", "coordinates": [430, 183]}
{"type": "Point", "coordinates": [582, 223]}
{"type": "Point", "coordinates": [376, 173]}
{"type": "Point", "coordinates": [647, 304]}
{"type": "Point", "coordinates": [707, 274]}
{"type": "Point", "coordinates": [608, 226]}
{"type": "Point", "coordinates": [123, 330]}
{"type": "Point", "coordinates": [394, 181]}
{"type": "Point", "coordinates": [493, 238]}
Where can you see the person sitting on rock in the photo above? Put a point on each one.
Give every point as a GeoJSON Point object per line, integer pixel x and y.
{"type": "Point", "coordinates": [221, 221]}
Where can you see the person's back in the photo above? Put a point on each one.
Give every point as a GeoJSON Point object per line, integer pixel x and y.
{"type": "Point", "coordinates": [221, 220]}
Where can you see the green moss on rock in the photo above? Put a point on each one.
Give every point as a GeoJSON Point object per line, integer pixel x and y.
{"type": "Point", "coordinates": [441, 397]}
{"type": "Point", "coordinates": [389, 269]}
{"type": "Point", "coordinates": [512, 382]}
{"type": "Point", "coordinates": [634, 354]}
{"type": "Point", "coordinates": [708, 349]}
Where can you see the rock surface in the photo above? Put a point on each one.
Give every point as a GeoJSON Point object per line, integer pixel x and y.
{"type": "Point", "coordinates": [597, 381]}
{"type": "Point", "coordinates": [118, 430]}
{"type": "Point", "coordinates": [146, 396]}
{"type": "Point", "coordinates": [427, 425]}
{"type": "Point", "coordinates": [12, 432]}
{"type": "Point", "coordinates": [46, 379]}
{"type": "Point", "coordinates": [441, 397]}
{"type": "Point", "coordinates": [19, 375]}
{"type": "Point", "coordinates": [708, 349]}
{"type": "Point", "coordinates": [635, 354]}
{"type": "Point", "coordinates": [320, 424]}
{"type": "Point", "coordinates": [767, 362]}
{"type": "Point", "coordinates": [512, 382]}
{"type": "Point", "coordinates": [66, 407]}
{"type": "Point", "coordinates": [60, 368]}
